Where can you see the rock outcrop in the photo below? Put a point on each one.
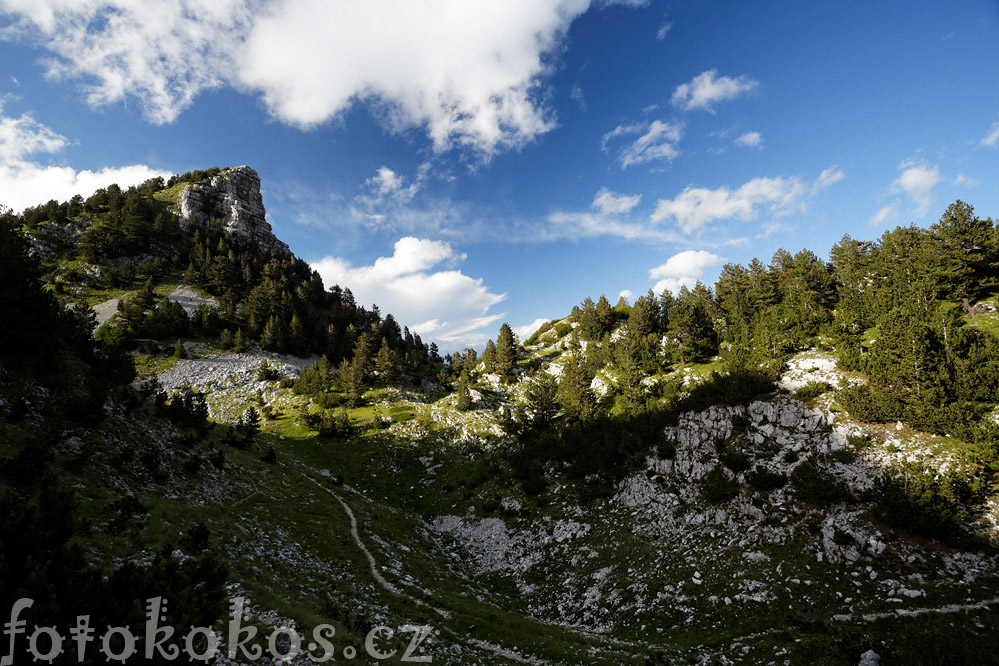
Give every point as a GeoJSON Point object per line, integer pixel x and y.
{"type": "Point", "coordinates": [233, 197]}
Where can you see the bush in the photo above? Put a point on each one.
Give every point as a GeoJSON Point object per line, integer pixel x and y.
{"type": "Point", "coordinates": [716, 486]}
{"type": "Point", "coordinates": [737, 387]}
{"type": "Point", "coordinates": [874, 405]}
{"type": "Point", "coordinates": [333, 423]}
{"type": "Point", "coordinates": [810, 391]}
{"type": "Point", "coordinates": [266, 372]}
{"type": "Point", "coordinates": [914, 499]}
{"type": "Point", "coordinates": [813, 484]}
{"type": "Point", "coordinates": [736, 460]}
{"type": "Point", "coordinates": [666, 450]}
{"type": "Point", "coordinates": [765, 479]}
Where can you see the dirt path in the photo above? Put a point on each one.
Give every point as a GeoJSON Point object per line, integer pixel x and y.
{"type": "Point", "coordinates": [902, 612]}
{"type": "Point", "coordinates": [388, 587]}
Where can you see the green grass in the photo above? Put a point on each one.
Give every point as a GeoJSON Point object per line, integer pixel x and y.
{"type": "Point", "coordinates": [170, 195]}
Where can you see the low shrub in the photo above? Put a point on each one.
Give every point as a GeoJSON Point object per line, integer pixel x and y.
{"type": "Point", "coordinates": [717, 486]}
{"type": "Point", "coordinates": [765, 479]}
{"type": "Point", "coordinates": [813, 484]}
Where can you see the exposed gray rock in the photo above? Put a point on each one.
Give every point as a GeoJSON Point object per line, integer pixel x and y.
{"type": "Point", "coordinates": [190, 300]}
{"type": "Point", "coordinates": [233, 196]}
{"type": "Point", "coordinates": [870, 658]}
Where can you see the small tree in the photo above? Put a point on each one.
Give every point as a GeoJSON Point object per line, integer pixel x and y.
{"type": "Point", "coordinates": [251, 420]}
{"type": "Point", "coordinates": [386, 363]}
{"type": "Point", "coordinates": [266, 372]}
{"type": "Point", "coordinates": [464, 401]}
{"type": "Point", "coordinates": [238, 342]}
{"type": "Point", "coordinates": [542, 399]}
{"type": "Point", "coordinates": [506, 350]}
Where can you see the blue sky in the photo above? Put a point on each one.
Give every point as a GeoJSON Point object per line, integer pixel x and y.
{"type": "Point", "coordinates": [467, 163]}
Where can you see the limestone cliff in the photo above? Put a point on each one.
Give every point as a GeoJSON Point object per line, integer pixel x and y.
{"type": "Point", "coordinates": [233, 196]}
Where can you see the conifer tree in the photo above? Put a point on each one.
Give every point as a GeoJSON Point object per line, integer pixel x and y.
{"type": "Point", "coordinates": [574, 394]}
{"type": "Point", "coordinates": [386, 363]}
{"type": "Point", "coordinates": [464, 393]}
{"type": "Point", "coordinates": [489, 356]}
{"type": "Point", "coordinates": [605, 315]}
{"type": "Point", "coordinates": [506, 350]}
{"type": "Point", "coordinates": [542, 399]}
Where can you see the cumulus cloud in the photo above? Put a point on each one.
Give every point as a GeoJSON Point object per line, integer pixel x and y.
{"type": "Point", "coordinates": [917, 180]}
{"type": "Point", "coordinates": [467, 73]}
{"type": "Point", "coordinates": [695, 207]}
{"type": "Point", "coordinates": [683, 270]}
{"type": "Point", "coordinates": [657, 141]}
{"type": "Point", "coordinates": [707, 88]}
{"type": "Point", "coordinates": [419, 285]}
{"type": "Point", "coordinates": [26, 182]}
{"type": "Point", "coordinates": [611, 203]}
{"type": "Point", "coordinates": [626, 294]}
{"type": "Point", "coordinates": [991, 139]}
{"type": "Point", "coordinates": [750, 140]}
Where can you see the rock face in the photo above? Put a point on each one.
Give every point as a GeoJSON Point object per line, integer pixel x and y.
{"type": "Point", "coordinates": [233, 196]}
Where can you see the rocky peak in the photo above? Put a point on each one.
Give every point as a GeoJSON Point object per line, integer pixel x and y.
{"type": "Point", "coordinates": [233, 196]}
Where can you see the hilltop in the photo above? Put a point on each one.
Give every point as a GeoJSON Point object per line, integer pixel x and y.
{"type": "Point", "coordinates": [796, 466]}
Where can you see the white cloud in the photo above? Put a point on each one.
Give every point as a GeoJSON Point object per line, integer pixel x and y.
{"type": "Point", "coordinates": [444, 305]}
{"type": "Point", "coordinates": [884, 214]}
{"type": "Point", "coordinates": [750, 140]}
{"type": "Point", "coordinates": [575, 225]}
{"type": "Point", "coordinates": [577, 95]}
{"type": "Point", "coordinates": [707, 88]}
{"type": "Point", "coordinates": [683, 270]}
{"type": "Point", "coordinates": [611, 203]}
{"type": "Point", "coordinates": [387, 184]}
{"type": "Point", "coordinates": [966, 181]}
{"type": "Point", "coordinates": [467, 73]}
{"type": "Point", "coordinates": [695, 207]}
{"type": "Point", "coordinates": [991, 139]}
{"type": "Point", "coordinates": [527, 330]}
{"type": "Point", "coordinates": [26, 182]}
{"type": "Point", "coordinates": [917, 181]}
{"type": "Point", "coordinates": [827, 178]}
{"type": "Point", "coordinates": [657, 141]}
{"type": "Point", "coordinates": [664, 30]}
{"type": "Point", "coordinates": [626, 294]}
{"type": "Point", "coordinates": [768, 229]}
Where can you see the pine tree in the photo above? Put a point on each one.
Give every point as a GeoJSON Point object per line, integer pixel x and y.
{"type": "Point", "coordinates": [296, 335]}
{"type": "Point", "coordinates": [272, 338]}
{"type": "Point", "coordinates": [968, 251]}
{"type": "Point", "coordinates": [506, 350]}
{"type": "Point", "coordinates": [251, 420]}
{"type": "Point", "coordinates": [605, 315]}
{"type": "Point", "coordinates": [691, 328]}
{"type": "Point", "coordinates": [489, 356]}
{"type": "Point", "coordinates": [464, 394]}
{"type": "Point", "coordinates": [386, 364]}
{"type": "Point", "coordinates": [589, 325]}
{"type": "Point", "coordinates": [574, 393]}
{"type": "Point", "coordinates": [542, 399]}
